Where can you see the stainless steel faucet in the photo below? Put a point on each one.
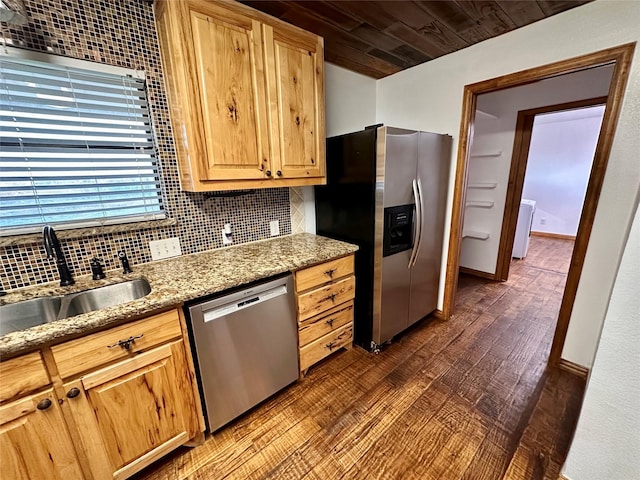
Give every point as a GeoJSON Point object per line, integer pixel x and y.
{"type": "Point", "coordinates": [53, 249]}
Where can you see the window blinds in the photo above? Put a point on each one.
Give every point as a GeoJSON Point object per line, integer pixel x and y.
{"type": "Point", "coordinates": [76, 148]}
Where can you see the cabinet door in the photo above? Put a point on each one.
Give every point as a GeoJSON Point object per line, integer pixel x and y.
{"type": "Point", "coordinates": [229, 64]}
{"type": "Point", "coordinates": [295, 76]}
{"type": "Point", "coordinates": [131, 413]}
{"type": "Point", "coordinates": [34, 441]}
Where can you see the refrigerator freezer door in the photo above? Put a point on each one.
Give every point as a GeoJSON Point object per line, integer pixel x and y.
{"type": "Point", "coordinates": [434, 152]}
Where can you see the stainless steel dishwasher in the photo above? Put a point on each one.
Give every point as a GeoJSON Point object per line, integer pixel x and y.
{"type": "Point", "coordinates": [246, 347]}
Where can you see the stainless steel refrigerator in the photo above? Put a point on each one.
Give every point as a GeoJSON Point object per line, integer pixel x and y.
{"type": "Point", "coordinates": [386, 191]}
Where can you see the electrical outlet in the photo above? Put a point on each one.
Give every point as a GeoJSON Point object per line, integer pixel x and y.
{"type": "Point", "coordinates": [169, 247]}
{"type": "Point", "coordinates": [543, 221]}
{"type": "Point", "coordinates": [274, 228]}
{"type": "Point", "coordinates": [227, 234]}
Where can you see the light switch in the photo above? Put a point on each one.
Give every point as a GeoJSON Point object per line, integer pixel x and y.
{"type": "Point", "coordinates": [169, 247]}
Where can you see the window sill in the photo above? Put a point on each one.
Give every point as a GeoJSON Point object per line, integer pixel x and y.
{"type": "Point", "coordinates": [87, 232]}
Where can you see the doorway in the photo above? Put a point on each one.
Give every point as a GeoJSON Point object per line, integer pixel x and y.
{"type": "Point", "coordinates": [620, 58]}
{"type": "Point", "coordinates": [563, 204]}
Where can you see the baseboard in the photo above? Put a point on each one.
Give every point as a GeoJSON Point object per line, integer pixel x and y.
{"type": "Point", "coordinates": [574, 368]}
{"type": "Point", "coordinates": [561, 236]}
{"type": "Point", "coordinates": [438, 314]}
{"type": "Point", "coordinates": [478, 273]}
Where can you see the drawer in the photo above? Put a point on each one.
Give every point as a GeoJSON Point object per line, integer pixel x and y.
{"type": "Point", "coordinates": [22, 375]}
{"type": "Point", "coordinates": [326, 322]}
{"type": "Point", "coordinates": [326, 345]}
{"type": "Point", "coordinates": [324, 298]}
{"type": "Point", "coordinates": [323, 273]}
{"type": "Point", "coordinates": [89, 352]}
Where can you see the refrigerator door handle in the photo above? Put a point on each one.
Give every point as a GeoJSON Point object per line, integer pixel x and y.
{"type": "Point", "coordinates": [419, 202]}
{"type": "Point", "coordinates": [418, 225]}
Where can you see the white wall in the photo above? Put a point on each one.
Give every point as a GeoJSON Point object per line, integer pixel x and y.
{"type": "Point", "coordinates": [429, 97]}
{"type": "Point", "coordinates": [350, 105]}
{"type": "Point", "coordinates": [559, 165]}
{"type": "Point", "coordinates": [350, 100]}
{"type": "Point", "coordinates": [607, 439]}
{"type": "Point", "coordinates": [497, 135]}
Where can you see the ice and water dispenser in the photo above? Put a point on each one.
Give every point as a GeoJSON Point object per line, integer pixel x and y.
{"type": "Point", "coordinates": [398, 229]}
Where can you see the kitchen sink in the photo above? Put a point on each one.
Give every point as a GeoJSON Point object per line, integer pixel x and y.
{"type": "Point", "coordinates": [38, 311]}
{"type": "Point", "coordinates": [28, 313]}
{"type": "Point", "coordinates": [103, 297]}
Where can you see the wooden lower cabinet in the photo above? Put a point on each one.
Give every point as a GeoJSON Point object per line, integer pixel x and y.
{"type": "Point", "coordinates": [324, 298]}
{"type": "Point", "coordinates": [325, 345]}
{"type": "Point", "coordinates": [106, 405]}
{"type": "Point", "coordinates": [34, 441]}
{"type": "Point", "coordinates": [133, 412]}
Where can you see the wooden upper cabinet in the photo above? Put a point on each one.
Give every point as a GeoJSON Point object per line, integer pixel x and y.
{"type": "Point", "coordinates": [229, 63]}
{"type": "Point", "coordinates": [246, 95]}
{"type": "Point", "coordinates": [295, 71]}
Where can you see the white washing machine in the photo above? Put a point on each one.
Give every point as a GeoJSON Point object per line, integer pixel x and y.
{"type": "Point", "coordinates": [523, 228]}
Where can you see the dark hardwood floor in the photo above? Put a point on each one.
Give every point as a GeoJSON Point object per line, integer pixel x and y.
{"type": "Point", "coordinates": [466, 399]}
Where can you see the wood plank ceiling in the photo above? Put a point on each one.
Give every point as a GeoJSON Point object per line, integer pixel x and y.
{"type": "Point", "coordinates": [378, 38]}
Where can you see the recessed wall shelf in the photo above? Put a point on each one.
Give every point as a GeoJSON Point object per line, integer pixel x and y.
{"type": "Point", "coordinates": [496, 153]}
{"type": "Point", "coordinates": [475, 234]}
{"type": "Point", "coordinates": [485, 185]}
{"type": "Point", "coordinates": [479, 203]}
{"type": "Point", "coordinates": [486, 114]}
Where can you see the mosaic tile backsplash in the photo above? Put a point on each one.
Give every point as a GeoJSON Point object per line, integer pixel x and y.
{"type": "Point", "coordinates": [122, 33]}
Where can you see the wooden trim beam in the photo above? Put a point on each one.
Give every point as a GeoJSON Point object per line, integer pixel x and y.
{"type": "Point", "coordinates": [573, 368]}
{"type": "Point", "coordinates": [560, 236]}
{"type": "Point", "coordinates": [478, 273]}
{"type": "Point", "coordinates": [600, 160]}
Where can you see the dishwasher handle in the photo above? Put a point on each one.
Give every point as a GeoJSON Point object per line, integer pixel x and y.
{"type": "Point", "coordinates": [242, 303]}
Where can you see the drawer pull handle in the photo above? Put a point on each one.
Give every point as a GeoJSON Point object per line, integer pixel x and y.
{"type": "Point", "coordinates": [330, 322]}
{"type": "Point", "coordinates": [73, 393]}
{"type": "Point", "coordinates": [43, 404]}
{"type": "Point", "coordinates": [332, 297]}
{"type": "Point", "coordinates": [126, 344]}
{"type": "Point", "coordinates": [330, 272]}
{"type": "Point", "coordinates": [330, 346]}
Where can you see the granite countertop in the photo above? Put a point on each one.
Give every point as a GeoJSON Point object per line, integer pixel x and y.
{"type": "Point", "coordinates": [173, 281]}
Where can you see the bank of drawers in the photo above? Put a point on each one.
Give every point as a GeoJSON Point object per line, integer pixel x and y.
{"type": "Point", "coordinates": [325, 295]}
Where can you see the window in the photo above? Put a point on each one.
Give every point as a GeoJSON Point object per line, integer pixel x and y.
{"type": "Point", "coordinates": [76, 145]}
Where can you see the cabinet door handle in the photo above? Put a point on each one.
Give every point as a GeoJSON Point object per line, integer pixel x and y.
{"type": "Point", "coordinates": [330, 272]}
{"type": "Point", "coordinates": [73, 393]}
{"type": "Point", "coordinates": [330, 346]}
{"type": "Point", "coordinates": [330, 322]}
{"type": "Point", "coordinates": [279, 173]}
{"type": "Point", "coordinates": [43, 404]}
{"type": "Point", "coordinates": [268, 173]}
{"type": "Point", "coordinates": [126, 344]}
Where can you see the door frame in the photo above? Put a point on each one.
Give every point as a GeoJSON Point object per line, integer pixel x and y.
{"type": "Point", "coordinates": [621, 57]}
{"type": "Point", "coordinates": [519, 159]}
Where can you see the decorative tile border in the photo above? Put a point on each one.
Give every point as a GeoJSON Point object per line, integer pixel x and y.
{"type": "Point", "coordinates": [123, 33]}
